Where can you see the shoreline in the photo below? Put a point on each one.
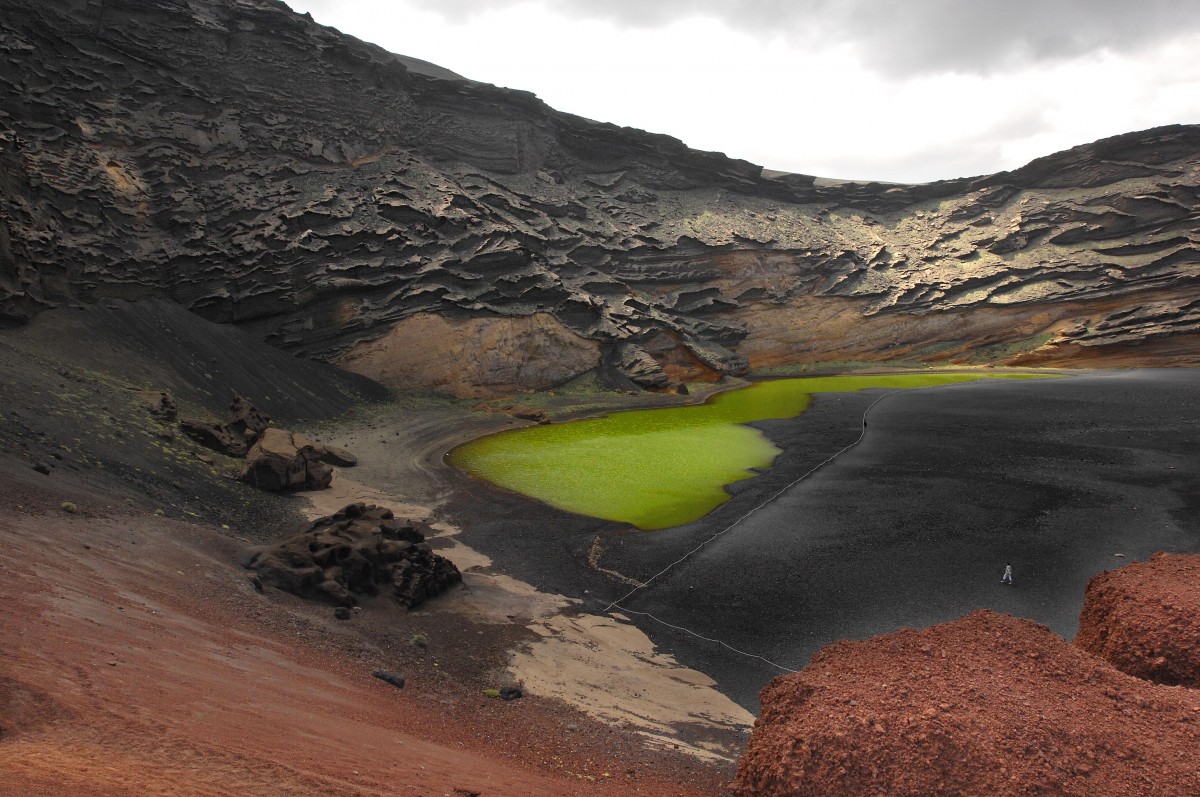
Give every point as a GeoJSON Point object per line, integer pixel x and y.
{"type": "Point", "coordinates": [566, 641]}
{"type": "Point", "coordinates": [629, 684]}
{"type": "Point", "coordinates": [550, 548]}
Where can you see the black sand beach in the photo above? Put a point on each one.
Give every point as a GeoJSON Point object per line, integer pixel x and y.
{"type": "Point", "coordinates": [909, 528]}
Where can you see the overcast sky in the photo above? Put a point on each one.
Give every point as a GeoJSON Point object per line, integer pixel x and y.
{"type": "Point", "coordinates": [900, 90]}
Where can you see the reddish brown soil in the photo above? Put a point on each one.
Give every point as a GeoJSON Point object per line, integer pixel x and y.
{"type": "Point", "coordinates": [1145, 619]}
{"type": "Point", "coordinates": [138, 660]}
{"type": "Point", "coordinates": [985, 705]}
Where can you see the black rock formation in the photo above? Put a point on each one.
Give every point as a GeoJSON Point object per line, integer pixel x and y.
{"type": "Point", "coordinates": [360, 551]}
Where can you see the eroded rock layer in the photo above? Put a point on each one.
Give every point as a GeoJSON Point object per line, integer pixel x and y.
{"type": "Point", "coordinates": [263, 170]}
{"type": "Point", "coordinates": [1145, 619]}
{"type": "Point", "coordinates": [985, 705]}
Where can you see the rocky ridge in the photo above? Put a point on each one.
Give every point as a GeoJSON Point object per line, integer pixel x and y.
{"type": "Point", "coordinates": [260, 169]}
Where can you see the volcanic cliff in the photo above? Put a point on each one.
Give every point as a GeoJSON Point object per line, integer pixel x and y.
{"type": "Point", "coordinates": [429, 231]}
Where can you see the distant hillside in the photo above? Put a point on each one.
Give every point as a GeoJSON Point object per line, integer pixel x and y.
{"type": "Point", "coordinates": [354, 206]}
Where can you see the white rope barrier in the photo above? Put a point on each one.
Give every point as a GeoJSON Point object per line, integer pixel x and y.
{"type": "Point", "coordinates": [750, 512]}
{"type": "Point", "coordinates": [617, 603]}
{"type": "Point", "coordinates": [707, 639]}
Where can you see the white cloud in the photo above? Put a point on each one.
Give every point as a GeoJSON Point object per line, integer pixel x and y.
{"type": "Point", "coordinates": [859, 105]}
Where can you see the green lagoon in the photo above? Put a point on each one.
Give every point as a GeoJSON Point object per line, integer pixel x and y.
{"type": "Point", "coordinates": [662, 467]}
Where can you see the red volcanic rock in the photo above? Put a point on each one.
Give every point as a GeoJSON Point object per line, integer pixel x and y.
{"type": "Point", "coordinates": [985, 705]}
{"type": "Point", "coordinates": [1145, 619]}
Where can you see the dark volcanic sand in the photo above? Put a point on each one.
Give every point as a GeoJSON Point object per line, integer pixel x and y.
{"type": "Point", "coordinates": [911, 527]}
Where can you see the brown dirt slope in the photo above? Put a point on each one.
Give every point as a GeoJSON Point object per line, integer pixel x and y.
{"type": "Point", "coordinates": [139, 660]}
{"type": "Point", "coordinates": [136, 656]}
{"type": "Point", "coordinates": [985, 705]}
{"type": "Point", "coordinates": [1145, 619]}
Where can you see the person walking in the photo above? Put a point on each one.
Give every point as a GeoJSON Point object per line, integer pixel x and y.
{"type": "Point", "coordinates": [1007, 577]}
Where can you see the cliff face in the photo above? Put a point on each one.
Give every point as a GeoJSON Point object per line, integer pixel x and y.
{"type": "Point", "coordinates": [263, 170]}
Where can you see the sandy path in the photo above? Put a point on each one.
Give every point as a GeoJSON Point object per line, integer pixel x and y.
{"type": "Point", "coordinates": [603, 666]}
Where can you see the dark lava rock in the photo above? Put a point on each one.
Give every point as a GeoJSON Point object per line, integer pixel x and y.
{"type": "Point", "coordinates": [511, 693]}
{"type": "Point", "coordinates": [393, 678]}
{"type": "Point", "coordinates": [42, 467]}
{"type": "Point", "coordinates": [217, 436]}
{"type": "Point", "coordinates": [233, 438]}
{"type": "Point", "coordinates": [283, 460]}
{"type": "Point", "coordinates": [526, 413]}
{"type": "Point", "coordinates": [522, 411]}
{"type": "Point", "coordinates": [342, 612]}
{"type": "Point", "coordinates": [336, 455]}
{"type": "Point", "coordinates": [245, 417]}
{"type": "Point", "coordinates": [164, 408]}
{"type": "Point", "coordinates": [360, 551]}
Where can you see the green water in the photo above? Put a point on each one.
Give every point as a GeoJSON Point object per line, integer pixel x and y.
{"type": "Point", "coordinates": [662, 467]}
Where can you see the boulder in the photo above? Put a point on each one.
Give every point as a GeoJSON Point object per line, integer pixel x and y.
{"type": "Point", "coordinates": [522, 411]}
{"type": "Point", "coordinates": [393, 678]}
{"type": "Point", "coordinates": [234, 438]}
{"type": "Point", "coordinates": [1144, 618]}
{"type": "Point", "coordinates": [284, 460]}
{"type": "Point", "coordinates": [360, 551]}
{"type": "Point", "coordinates": [717, 357]}
{"type": "Point", "coordinates": [985, 705]}
{"type": "Point", "coordinates": [336, 455]}
{"type": "Point", "coordinates": [217, 436]}
{"type": "Point", "coordinates": [245, 418]}
{"type": "Point", "coordinates": [162, 406]}
{"type": "Point", "coordinates": [527, 413]}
